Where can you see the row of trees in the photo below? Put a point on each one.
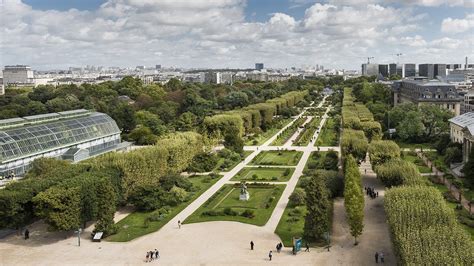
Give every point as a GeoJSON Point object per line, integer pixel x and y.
{"type": "Point", "coordinates": [424, 228]}
{"type": "Point", "coordinates": [252, 117]}
{"type": "Point", "coordinates": [353, 197]}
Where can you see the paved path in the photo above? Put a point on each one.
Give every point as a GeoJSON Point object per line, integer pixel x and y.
{"type": "Point", "coordinates": [210, 243]}
{"type": "Point", "coordinates": [295, 135]}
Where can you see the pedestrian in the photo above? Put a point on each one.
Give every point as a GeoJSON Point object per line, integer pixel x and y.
{"type": "Point", "coordinates": [151, 255]}
{"type": "Point", "coordinates": [27, 234]}
{"type": "Point", "coordinates": [382, 259]}
{"type": "Point", "coordinates": [251, 245]}
{"type": "Point", "coordinates": [278, 248]}
{"type": "Point", "coordinates": [147, 256]}
{"type": "Point", "coordinates": [179, 224]}
{"type": "Point", "coordinates": [307, 247]}
{"type": "Point", "coordinates": [376, 257]}
{"type": "Point", "coordinates": [293, 251]}
{"type": "Point", "coordinates": [270, 255]}
{"type": "Point", "coordinates": [377, 194]}
{"type": "Point", "coordinates": [157, 254]}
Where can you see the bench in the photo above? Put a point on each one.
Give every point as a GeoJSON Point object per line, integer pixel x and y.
{"type": "Point", "coordinates": [97, 237]}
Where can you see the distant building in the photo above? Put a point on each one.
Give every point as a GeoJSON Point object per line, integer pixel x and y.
{"type": "Point", "coordinates": [227, 78]}
{"type": "Point", "coordinates": [384, 70]}
{"type": "Point", "coordinates": [409, 70]}
{"type": "Point", "coordinates": [158, 67]}
{"type": "Point", "coordinates": [259, 66]}
{"type": "Point", "coordinates": [140, 67]}
{"type": "Point", "coordinates": [469, 102]}
{"type": "Point", "coordinates": [72, 135]}
{"type": "Point", "coordinates": [426, 70]}
{"type": "Point", "coordinates": [423, 91]}
{"type": "Point", "coordinates": [2, 87]}
{"type": "Point", "coordinates": [440, 70]}
{"type": "Point", "coordinates": [370, 69]}
{"type": "Point", "coordinates": [462, 131]}
{"type": "Point", "coordinates": [453, 66]}
{"type": "Point", "coordinates": [392, 69]}
{"type": "Point", "coordinates": [18, 75]}
{"type": "Point", "coordinates": [212, 77]}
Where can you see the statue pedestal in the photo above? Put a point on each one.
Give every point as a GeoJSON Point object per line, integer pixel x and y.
{"type": "Point", "coordinates": [244, 196]}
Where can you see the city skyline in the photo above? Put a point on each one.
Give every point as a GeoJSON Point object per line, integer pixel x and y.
{"type": "Point", "coordinates": [234, 33]}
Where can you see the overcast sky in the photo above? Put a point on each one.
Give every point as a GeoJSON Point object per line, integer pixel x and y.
{"type": "Point", "coordinates": [234, 33]}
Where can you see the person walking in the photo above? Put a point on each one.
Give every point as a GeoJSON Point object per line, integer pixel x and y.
{"type": "Point", "coordinates": [157, 254]}
{"type": "Point", "coordinates": [307, 247]}
{"type": "Point", "coordinates": [251, 245]}
{"type": "Point", "coordinates": [151, 255]}
{"type": "Point", "coordinates": [147, 256]}
{"type": "Point", "coordinates": [376, 257]}
{"type": "Point", "coordinates": [278, 248]}
{"type": "Point", "coordinates": [270, 255]}
{"type": "Point", "coordinates": [27, 234]}
{"type": "Point", "coordinates": [382, 259]}
{"type": "Point", "coordinates": [179, 224]}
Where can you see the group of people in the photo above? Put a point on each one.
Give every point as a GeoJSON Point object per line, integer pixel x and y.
{"type": "Point", "coordinates": [152, 255]}
{"type": "Point", "coordinates": [9, 176]}
{"type": "Point", "coordinates": [279, 247]}
{"type": "Point", "coordinates": [370, 191]}
{"type": "Point", "coordinates": [379, 256]}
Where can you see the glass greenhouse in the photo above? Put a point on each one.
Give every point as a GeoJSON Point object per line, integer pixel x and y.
{"type": "Point", "coordinates": [74, 135]}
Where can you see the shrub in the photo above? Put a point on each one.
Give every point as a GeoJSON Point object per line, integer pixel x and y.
{"type": "Point", "coordinates": [248, 214]}
{"type": "Point", "coordinates": [398, 172]}
{"type": "Point", "coordinates": [286, 172]}
{"type": "Point", "coordinates": [382, 151]}
{"type": "Point", "coordinates": [297, 198]}
{"type": "Point", "coordinates": [211, 213]}
{"type": "Point", "coordinates": [230, 212]}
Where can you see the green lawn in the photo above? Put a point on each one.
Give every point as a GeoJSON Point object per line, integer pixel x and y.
{"type": "Point", "coordinates": [422, 168]}
{"type": "Point", "coordinates": [261, 138]}
{"type": "Point", "coordinates": [328, 136]}
{"type": "Point", "coordinates": [290, 158]}
{"type": "Point", "coordinates": [264, 174]}
{"type": "Point", "coordinates": [305, 136]}
{"type": "Point", "coordinates": [261, 203]}
{"type": "Point", "coordinates": [291, 224]}
{"type": "Point", "coordinates": [288, 132]}
{"type": "Point", "coordinates": [133, 225]}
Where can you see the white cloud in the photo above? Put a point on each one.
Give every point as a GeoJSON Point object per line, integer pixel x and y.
{"type": "Point", "coordinates": [450, 25]}
{"type": "Point", "coordinates": [211, 33]}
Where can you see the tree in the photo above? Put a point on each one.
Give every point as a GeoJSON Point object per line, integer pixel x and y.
{"type": "Point", "coordinates": [236, 99]}
{"type": "Point", "coordinates": [396, 172]}
{"type": "Point", "coordinates": [150, 120]}
{"type": "Point", "coordinates": [234, 142]}
{"type": "Point", "coordinates": [297, 198]}
{"type": "Point", "coordinates": [318, 209]}
{"type": "Point", "coordinates": [382, 151]}
{"type": "Point", "coordinates": [142, 135]}
{"type": "Point", "coordinates": [435, 120]}
{"type": "Point", "coordinates": [411, 128]}
{"type": "Point", "coordinates": [353, 198]}
{"type": "Point", "coordinates": [187, 121]}
{"type": "Point", "coordinates": [468, 169]}
{"type": "Point", "coordinates": [331, 160]}
{"type": "Point", "coordinates": [60, 207]}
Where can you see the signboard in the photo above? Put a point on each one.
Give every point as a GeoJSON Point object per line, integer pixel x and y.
{"type": "Point", "coordinates": [297, 242]}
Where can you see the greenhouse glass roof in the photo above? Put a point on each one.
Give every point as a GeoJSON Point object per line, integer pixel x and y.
{"type": "Point", "coordinates": [29, 139]}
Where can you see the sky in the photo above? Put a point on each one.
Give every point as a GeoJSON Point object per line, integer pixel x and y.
{"type": "Point", "coordinates": [57, 34]}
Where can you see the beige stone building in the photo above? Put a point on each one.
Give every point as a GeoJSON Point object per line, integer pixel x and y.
{"type": "Point", "coordinates": [462, 131]}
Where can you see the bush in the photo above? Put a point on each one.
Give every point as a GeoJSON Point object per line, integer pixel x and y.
{"type": "Point", "coordinates": [211, 213]}
{"type": "Point", "coordinates": [286, 172]}
{"type": "Point", "coordinates": [297, 198]}
{"type": "Point", "coordinates": [230, 212]}
{"type": "Point", "coordinates": [398, 172]}
{"type": "Point", "coordinates": [331, 160]}
{"type": "Point", "coordinates": [382, 151]}
{"type": "Point", "coordinates": [313, 165]}
{"type": "Point", "coordinates": [248, 214]}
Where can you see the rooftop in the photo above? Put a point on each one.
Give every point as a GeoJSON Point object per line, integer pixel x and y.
{"type": "Point", "coordinates": [464, 120]}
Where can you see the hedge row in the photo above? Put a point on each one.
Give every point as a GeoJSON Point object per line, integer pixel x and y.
{"type": "Point", "coordinates": [424, 229]}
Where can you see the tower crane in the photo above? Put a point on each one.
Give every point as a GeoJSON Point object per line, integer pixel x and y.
{"type": "Point", "coordinates": [368, 59]}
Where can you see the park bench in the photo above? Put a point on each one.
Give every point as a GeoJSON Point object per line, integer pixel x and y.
{"type": "Point", "coordinates": [97, 237]}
